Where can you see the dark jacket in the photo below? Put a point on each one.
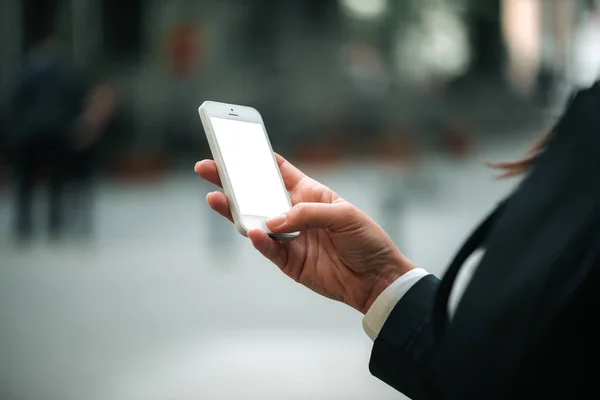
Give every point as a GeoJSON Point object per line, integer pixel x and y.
{"type": "Point", "coordinates": [526, 325]}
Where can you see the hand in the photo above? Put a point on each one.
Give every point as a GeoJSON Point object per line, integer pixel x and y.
{"type": "Point", "coordinates": [341, 253]}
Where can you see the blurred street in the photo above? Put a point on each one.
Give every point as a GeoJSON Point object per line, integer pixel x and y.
{"type": "Point", "coordinates": [117, 282]}
{"type": "Point", "coordinates": [154, 307]}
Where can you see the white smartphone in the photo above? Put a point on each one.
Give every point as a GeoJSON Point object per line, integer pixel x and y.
{"type": "Point", "coordinates": [247, 166]}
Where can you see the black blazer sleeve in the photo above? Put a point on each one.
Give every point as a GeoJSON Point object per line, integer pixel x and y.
{"type": "Point", "coordinates": [403, 353]}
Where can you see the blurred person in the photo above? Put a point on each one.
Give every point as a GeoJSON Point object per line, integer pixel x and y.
{"type": "Point", "coordinates": [92, 125]}
{"type": "Point", "coordinates": [370, 81]}
{"type": "Point", "coordinates": [43, 106]}
{"type": "Point", "coordinates": [520, 326]}
{"type": "Point", "coordinates": [397, 169]}
{"type": "Point", "coordinates": [185, 56]}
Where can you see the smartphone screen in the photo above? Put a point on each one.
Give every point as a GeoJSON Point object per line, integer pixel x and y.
{"type": "Point", "coordinates": [252, 170]}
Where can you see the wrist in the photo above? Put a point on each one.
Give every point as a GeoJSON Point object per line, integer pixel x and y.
{"type": "Point", "coordinates": [385, 278]}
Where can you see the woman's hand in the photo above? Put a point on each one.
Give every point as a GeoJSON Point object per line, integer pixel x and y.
{"type": "Point", "coordinates": [341, 252]}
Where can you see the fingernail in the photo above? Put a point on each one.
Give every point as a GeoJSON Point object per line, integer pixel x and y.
{"type": "Point", "coordinates": [276, 221]}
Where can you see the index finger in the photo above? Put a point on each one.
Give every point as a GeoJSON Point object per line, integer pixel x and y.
{"type": "Point", "coordinates": [207, 169]}
{"type": "Point", "coordinates": [290, 174]}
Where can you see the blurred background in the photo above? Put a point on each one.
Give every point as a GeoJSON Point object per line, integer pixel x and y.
{"type": "Point", "coordinates": [116, 280]}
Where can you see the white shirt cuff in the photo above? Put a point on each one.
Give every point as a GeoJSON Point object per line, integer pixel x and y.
{"type": "Point", "coordinates": [384, 304]}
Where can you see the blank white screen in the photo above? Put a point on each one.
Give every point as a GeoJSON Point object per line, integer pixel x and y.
{"type": "Point", "coordinates": [252, 171]}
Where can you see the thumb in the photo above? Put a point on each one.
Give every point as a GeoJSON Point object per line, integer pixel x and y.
{"type": "Point", "coordinates": [302, 216]}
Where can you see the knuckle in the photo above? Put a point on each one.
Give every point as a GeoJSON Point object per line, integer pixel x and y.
{"type": "Point", "coordinates": [349, 212]}
{"type": "Point", "coordinates": [301, 209]}
{"type": "Point", "coordinates": [348, 209]}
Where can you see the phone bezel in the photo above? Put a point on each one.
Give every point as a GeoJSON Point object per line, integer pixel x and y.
{"type": "Point", "coordinates": [210, 109]}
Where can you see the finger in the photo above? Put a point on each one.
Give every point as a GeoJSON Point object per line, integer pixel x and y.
{"type": "Point", "coordinates": [290, 174]}
{"type": "Point", "coordinates": [207, 169]}
{"type": "Point", "coordinates": [271, 249]}
{"type": "Point", "coordinates": [335, 216]}
{"type": "Point", "coordinates": [218, 202]}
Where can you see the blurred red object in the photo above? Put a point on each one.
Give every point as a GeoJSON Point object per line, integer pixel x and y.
{"type": "Point", "coordinates": [325, 151]}
{"type": "Point", "coordinates": [396, 149]}
{"type": "Point", "coordinates": [458, 139]}
{"type": "Point", "coordinates": [141, 168]}
{"type": "Point", "coordinates": [397, 146]}
{"type": "Point", "coordinates": [184, 50]}
{"type": "Point", "coordinates": [321, 154]}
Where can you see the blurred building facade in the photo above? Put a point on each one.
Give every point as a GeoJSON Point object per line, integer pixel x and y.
{"type": "Point", "coordinates": [316, 69]}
